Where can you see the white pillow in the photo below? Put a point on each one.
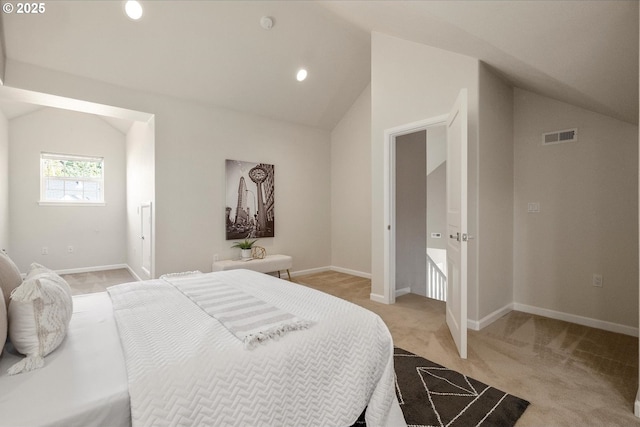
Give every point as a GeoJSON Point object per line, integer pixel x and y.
{"type": "Point", "coordinates": [10, 277]}
{"type": "Point", "coordinates": [35, 269]}
{"type": "Point", "coordinates": [39, 315]}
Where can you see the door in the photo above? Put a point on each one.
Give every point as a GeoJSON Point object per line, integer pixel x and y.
{"type": "Point", "coordinates": [456, 306]}
{"type": "Point", "coordinates": [146, 237]}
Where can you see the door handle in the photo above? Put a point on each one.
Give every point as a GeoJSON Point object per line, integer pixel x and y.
{"type": "Point", "coordinates": [465, 237]}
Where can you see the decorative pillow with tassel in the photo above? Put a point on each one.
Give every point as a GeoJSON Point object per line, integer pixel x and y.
{"type": "Point", "coordinates": [10, 277]}
{"type": "Point", "coordinates": [39, 315]}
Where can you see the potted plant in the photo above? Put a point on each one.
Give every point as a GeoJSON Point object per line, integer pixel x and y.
{"type": "Point", "coordinates": [245, 248]}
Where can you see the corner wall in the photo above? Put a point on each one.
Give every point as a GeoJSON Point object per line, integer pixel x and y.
{"type": "Point", "coordinates": [411, 212]}
{"type": "Point", "coordinates": [495, 198]}
{"type": "Point", "coordinates": [588, 219]}
{"type": "Point", "coordinates": [636, 406]}
{"type": "Point", "coordinates": [4, 183]}
{"type": "Point", "coordinates": [192, 142]}
{"type": "Point", "coordinates": [437, 206]}
{"type": "Point", "coordinates": [351, 189]}
{"type": "Point", "coordinates": [437, 187]}
{"type": "Point", "coordinates": [412, 82]}
{"type": "Point", "coordinates": [97, 233]}
{"type": "Point", "coordinates": [3, 51]}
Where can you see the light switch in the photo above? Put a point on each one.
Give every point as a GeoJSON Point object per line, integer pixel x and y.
{"type": "Point", "coordinates": [533, 207]}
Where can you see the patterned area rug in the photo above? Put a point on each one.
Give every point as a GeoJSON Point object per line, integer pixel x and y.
{"type": "Point", "coordinates": [432, 395]}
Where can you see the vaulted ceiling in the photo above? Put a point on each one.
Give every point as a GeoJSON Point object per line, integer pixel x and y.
{"type": "Point", "coordinates": [216, 52]}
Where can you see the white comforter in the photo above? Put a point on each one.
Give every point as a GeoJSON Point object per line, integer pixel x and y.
{"type": "Point", "coordinates": [83, 382]}
{"type": "Point", "coordinates": [185, 368]}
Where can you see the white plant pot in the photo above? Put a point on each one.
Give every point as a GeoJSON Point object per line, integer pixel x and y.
{"type": "Point", "coordinates": [246, 253]}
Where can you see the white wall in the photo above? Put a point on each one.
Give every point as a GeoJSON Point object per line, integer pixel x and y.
{"type": "Point", "coordinates": [4, 183]}
{"type": "Point", "coordinates": [437, 206]}
{"type": "Point", "coordinates": [588, 220]}
{"type": "Point", "coordinates": [412, 82]}
{"type": "Point", "coordinates": [140, 188]}
{"type": "Point", "coordinates": [97, 233]}
{"type": "Point", "coordinates": [351, 188]}
{"type": "Point", "coordinates": [637, 402]}
{"type": "Point", "coordinates": [436, 147]}
{"type": "Point", "coordinates": [437, 186]}
{"type": "Point", "coordinates": [494, 242]}
{"type": "Point", "coordinates": [411, 212]}
{"type": "Point", "coordinates": [192, 142]}
{"type": "Point", "coordinates": [3, 54]}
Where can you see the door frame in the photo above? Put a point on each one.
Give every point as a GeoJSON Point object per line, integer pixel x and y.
{"type": "Point", "coordinates": [144, 239]}
{"type": "Point", "coordinates": [389, 173]}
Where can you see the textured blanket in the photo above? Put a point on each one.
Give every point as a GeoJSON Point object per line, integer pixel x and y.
{"type": "Point", "coordinates": [248, 318]}
{"type": "Point", "coordinates": [185, 368]}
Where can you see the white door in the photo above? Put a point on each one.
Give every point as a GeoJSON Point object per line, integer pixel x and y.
{"type": "Point", "coordinates": [457, 223]}
{"type": "Point", "coordinates": [146, 237]}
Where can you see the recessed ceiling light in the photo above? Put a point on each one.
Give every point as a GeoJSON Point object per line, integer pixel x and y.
{"type": "Point", "coordinates": [133, 8]}
{"type": "Point", "coordinates": [302, 74]}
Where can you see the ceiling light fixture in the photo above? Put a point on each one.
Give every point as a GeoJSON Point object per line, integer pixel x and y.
{"type": "Point", "coordinates": [302, 74]}
{"type": "Point", "coordinates": [133, 9]}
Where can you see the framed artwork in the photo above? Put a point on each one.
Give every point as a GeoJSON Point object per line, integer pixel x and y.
{"type": "Point", "coordinates": [250, 201]}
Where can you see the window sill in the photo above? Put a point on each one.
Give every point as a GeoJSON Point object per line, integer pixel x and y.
{"type": "Point", "coordinates": [82, 204]}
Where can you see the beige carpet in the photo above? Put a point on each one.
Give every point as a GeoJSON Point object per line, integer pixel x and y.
{"type": "Point", "coordinates": [97, 281]}
{"type": "Point", "coordinates": [572, 375]}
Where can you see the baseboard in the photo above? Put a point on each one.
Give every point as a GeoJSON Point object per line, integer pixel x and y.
{"type": "Point", "coordinates": [378, 298]}
{"type": "Point", "coordinates": [331, 268]}
{"type": "Point", "coordinates": [351, 272]}
{"type": "Point", "coordinates": [403, 291]}
{"type": "Point", "coordinates": [133, 273]}
{"type": "Point", "coordinates": [476, 325]}
{"type": "Point", "coordinates": [310, 271]}
{"type": "Point", "coordinates": [92, 269]}
{"type": "Point", "coordinates": [580, 320]}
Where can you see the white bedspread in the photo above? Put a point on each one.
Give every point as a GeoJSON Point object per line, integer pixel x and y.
{"type": "Point", "coordinates": [83, 382]}
{"type": "Point", "coordinates": [185, 368]}
{"type": "Point", "coordinates": [251, 320]}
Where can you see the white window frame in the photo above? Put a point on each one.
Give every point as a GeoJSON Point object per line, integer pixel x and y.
{"type": "Point", "coordinates": [73, 157]}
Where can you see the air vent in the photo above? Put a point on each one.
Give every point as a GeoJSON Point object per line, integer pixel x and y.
{"type": "Point", "coordinates": [558, 137]}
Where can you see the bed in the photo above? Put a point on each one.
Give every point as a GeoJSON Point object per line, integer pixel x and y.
{"type": "Point", "coordinates": [83, 382]}
{"type": "Point", "coordinates": [153, 353]}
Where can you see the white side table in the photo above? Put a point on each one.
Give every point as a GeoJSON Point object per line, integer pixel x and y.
{"type": "Point", "coordinates": [267, 264]}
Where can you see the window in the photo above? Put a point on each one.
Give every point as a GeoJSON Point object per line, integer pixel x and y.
{"type": "Point", "coordinates": [70, 179]}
